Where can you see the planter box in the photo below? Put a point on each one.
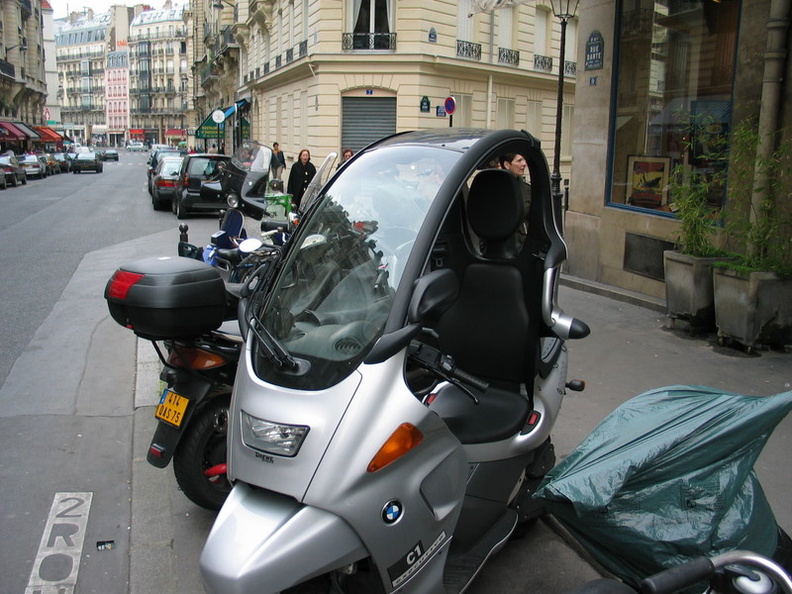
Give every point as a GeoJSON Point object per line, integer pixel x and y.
{"type": "Point", "coordinates": [689, 289]}
{"type": "Point", "coordinates": [753, 309]}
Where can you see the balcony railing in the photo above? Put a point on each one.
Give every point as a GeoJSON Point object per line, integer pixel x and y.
{"type": "Point", "coordinates": [303, 49]}
{"type": "Point", "coordinates": [368, 41]}
{"type": "Point", "coordinates": [508, 56]}
{"type": "Point", "coordinates": [289, 55]}
{"type": "Point", "coordinates": [543, 63]}
{"type": "Point", "coordinates": [468, 50]}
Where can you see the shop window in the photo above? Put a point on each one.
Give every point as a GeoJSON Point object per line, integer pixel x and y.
{"type": "Point", "coordinates": [674, 80]}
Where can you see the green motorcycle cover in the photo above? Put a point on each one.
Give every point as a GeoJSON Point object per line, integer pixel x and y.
{"type": "Point", "coordinates": [666, 477]}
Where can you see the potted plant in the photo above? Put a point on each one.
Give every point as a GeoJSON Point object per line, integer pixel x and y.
{"type": "Point", "coordinates": [695, 197]}
{"type": "Point", "coordinates": [753, 292]}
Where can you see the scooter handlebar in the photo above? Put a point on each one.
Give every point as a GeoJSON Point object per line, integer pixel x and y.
{"type": "Point", "coordinates": [676, 578]}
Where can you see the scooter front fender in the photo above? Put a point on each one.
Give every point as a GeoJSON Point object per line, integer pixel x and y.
{"type": "Point", "coordinates": [265, 542]}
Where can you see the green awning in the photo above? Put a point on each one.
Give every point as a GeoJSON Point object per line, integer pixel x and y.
{"type": "Point", "coordinates": [209, 129]}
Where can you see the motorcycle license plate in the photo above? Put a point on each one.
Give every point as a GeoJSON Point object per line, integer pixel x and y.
{"type": "Point", "coordinates": [171, 407]}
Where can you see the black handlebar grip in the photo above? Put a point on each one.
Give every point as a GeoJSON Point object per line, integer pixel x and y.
{"type": "Point", "coordinates": [676, 578]}
{"type": "Point", "coordinates": [471, 380]}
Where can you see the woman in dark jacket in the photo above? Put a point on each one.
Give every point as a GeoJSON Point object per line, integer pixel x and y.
{"type": "Point", "coordinates": [301, 174]}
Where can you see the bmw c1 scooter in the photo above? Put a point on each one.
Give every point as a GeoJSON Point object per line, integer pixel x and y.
{"type": "Point", "coordinates": [405, 362]}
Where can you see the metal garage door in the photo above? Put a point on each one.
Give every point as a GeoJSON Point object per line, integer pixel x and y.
{"type": "Point", "coordinates": [366, 119]}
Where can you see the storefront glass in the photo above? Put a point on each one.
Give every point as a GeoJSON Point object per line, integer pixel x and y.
{"type": "Point", "coordinates": [675, 73]}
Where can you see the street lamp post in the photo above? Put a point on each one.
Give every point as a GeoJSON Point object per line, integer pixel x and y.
{"type": "Point", "coordinates": [562, 10]}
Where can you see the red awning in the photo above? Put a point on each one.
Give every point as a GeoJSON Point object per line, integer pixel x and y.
{"type": "Point", "coordinates": [174, 133]}
{"type": "Point", "coordinates": [10, 132]}
{"type": "Point", "coordinates": [48, 134]}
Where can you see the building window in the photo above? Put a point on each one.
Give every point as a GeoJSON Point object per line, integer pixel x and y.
{"type": "Point", "coordinates": [372, 25]}
{"type": "Point", "coordinates": [674, 76]}
{"type": "Point", "coordinates": [506, 113]}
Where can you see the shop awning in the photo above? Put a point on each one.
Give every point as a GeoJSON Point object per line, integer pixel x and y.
{"type": "Point", "coordinates": [238, 105]}
{"type": "Point", "coordinates": [210, 129]}
{"type": "Point", "coordinates": [10, 132]}
{"type": "Point", "coordinates": [48, 134]}
{"type": "Point", "coordinates": [30, 132]}
{"type": "Point", "coordinates": [175, 133]}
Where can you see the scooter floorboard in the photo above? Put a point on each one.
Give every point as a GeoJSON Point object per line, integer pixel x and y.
{"type": "Point", "coordinates": [461, 569]}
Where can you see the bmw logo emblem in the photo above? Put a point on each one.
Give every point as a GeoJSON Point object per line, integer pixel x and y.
{"type": "Point", "coordinates": [392, 512]}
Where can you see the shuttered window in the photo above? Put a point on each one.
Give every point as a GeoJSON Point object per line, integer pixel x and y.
{"type": "Point", "coordinates": [366, 119]}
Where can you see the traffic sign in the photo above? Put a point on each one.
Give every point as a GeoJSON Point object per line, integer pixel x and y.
{"type": "Point", "coordinates": [450, 105]}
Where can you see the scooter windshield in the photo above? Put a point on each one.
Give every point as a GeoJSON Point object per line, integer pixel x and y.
{"type": "Point", "coordinates": [335, 289]}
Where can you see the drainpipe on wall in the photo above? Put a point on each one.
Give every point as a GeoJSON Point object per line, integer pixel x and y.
{"type": "Point", "coordinates": [489, 102]}
{"type": "Point", "coordinates": [775, 58]}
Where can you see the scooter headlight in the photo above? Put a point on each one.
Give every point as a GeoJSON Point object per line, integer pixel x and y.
{"type": "Point", "coordinates": [273, 438]}
{"type": "Point", "coordinates": [232, 200]}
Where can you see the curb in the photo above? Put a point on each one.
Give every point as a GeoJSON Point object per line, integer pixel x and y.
{"type": "Point", "coordinates": [616, 293]}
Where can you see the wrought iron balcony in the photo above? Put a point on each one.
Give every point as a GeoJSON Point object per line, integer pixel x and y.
{"type": "Point", "coordinates": [508, 56]}
{"type": "Point", "coordinates": [289, 55]}
{"type": "Point", "coordinates": [368, 41]}
{"type": "Point", "coordinates": [543, 63]}
{"type": "Point", "coordinates": [303, 49]}
{"type": "Point", "coordinates": [468, 50]}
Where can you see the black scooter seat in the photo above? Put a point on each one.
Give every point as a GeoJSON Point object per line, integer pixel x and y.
{"type": "Point", "coordinates": [499, 414]}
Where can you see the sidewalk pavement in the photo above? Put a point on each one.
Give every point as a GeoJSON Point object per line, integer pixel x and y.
{"type": "Point", "coordinates": [630, 350]}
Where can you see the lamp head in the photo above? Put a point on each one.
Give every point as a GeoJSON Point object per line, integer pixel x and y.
{"type": "Point", "coordinates": [564, 9]}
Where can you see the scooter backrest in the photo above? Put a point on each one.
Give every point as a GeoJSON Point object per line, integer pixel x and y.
{"type": "Point", "coordinates": [495, 210]}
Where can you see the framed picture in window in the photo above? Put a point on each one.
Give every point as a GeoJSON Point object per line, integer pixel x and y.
{"type": "Point", "coordinates": [647, 181]}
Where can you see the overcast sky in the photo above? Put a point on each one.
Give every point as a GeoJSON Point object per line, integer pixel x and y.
{"type": "Point", "coordinates": [62, 7]}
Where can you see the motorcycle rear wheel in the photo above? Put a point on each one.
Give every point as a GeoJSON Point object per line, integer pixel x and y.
{"type": "Point", "coordinates": [202, 447]}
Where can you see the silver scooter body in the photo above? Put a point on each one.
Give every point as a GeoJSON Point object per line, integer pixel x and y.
{"type": "Point", "coordinates": [338, 465]}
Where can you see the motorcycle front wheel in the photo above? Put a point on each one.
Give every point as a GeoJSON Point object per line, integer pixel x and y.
{"type": "Point", "coordinates": [201, 452]}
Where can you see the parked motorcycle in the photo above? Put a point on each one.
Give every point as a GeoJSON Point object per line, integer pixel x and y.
{"type": "Point", "coordinates": [404, 365]}
{"type": "Point", "coordinates": [186, 305]}
{"type": "Point", "coordinates": [199, 367]}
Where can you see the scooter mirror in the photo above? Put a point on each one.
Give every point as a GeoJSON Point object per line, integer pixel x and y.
{"type": "Point", "coordinates": [432, 294]}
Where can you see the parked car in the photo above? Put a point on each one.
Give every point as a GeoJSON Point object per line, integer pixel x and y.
{"type": "Point", "coordinates": [14, 171]}
{"type": "Point", "coordinates": [87, 162]}
{"type": "Point", "coordinates": [63, 161]}
{"type": "Point", "coordinates": [196, 168]}
{"type": "Point", "coordinates": [158, 154]}
{"type": "Point", "coordinates": [162, 185]}
{"type": "Point", "coordinates": [136, 146]}
{"type": "Point", "coordinates": [53, 166]}
{"type": "Point", "coordinates": [110, 154]}
{"type": "Point", "coordinates": [34, 166]}
{"type": "Point", "coordinates": [3, 182]}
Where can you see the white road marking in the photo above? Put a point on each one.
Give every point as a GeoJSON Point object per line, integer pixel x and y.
{"type": "Point", "coordinates": [58, 560]}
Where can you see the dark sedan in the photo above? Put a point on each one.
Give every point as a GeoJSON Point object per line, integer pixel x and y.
{"type": "Point", "coordinates": [196, 169]}
{"type": "Point", "coordinates": [87, 162]}
{"type": "Point", "coordinates": [110, 155]}
{"type": "Point", "coordinates": [15, 173]}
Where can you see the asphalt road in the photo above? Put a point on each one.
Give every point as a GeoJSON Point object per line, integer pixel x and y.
{"type": "Point", "coordinates": [79, 504]}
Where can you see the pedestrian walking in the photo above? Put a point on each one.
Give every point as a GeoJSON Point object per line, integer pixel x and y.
{"type": "Point", "coordinates": [346, 155]}
{"type": "Point", "coordinates": [279, 161]}
{"type": "Point", "coordinates": [516, 164]}
{"type": "Point", "coordinates": [301, 174]}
